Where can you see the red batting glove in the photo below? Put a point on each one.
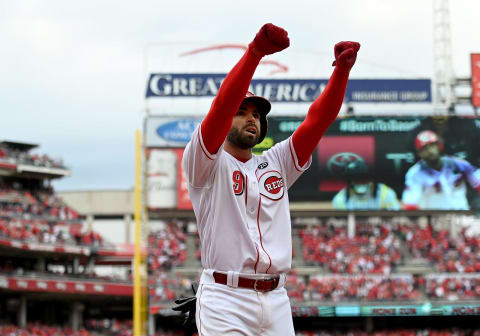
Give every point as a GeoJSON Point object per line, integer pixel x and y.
{"type": "Point", "coordinates": [269, 40]}
{"type": "Point", "coordinates": [346, 54]}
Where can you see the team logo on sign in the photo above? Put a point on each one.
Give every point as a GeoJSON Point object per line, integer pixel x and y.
{"type": "Point", "coordinates": [271, 185]}
{"type": "Point", "coordinates": [337, 163]}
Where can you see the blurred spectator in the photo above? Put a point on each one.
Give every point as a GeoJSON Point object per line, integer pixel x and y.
{"type": "Point", "coordinates": [166, 287]}
{"type": "Point", "coordinates": [23, 157]}
{"type": "Point", "coordinates": [40, 216]}
{"type": "Point", "coordinates": [110, 327]}
{"type": "Point", "coordinates": [339, 288]}
{"type": "Point", "coordinates": [295, 286]}
{"type": "Point", "coordinates": [29, 203]}
{"type": "Point", "coordinates": [38, 329]}
{"type": "Point", "coordinates": [393, 332]}
{"type": "Point", "coordinates": [373, 249]}
{"type": "Point", "coordinates": [167, 246]}
{"type": "Point", "coordinates": [445, 252]}
{"type": "Point", "coordinates": [47, 232]}
{"type": "Point", "coordinates": [362, 191]}
{"type": "Point", "coordinates": [452, 287]}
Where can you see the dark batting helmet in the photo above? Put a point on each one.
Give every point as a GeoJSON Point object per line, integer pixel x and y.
{"type": "Point", "coordinates": [358, 173]}
{"type": "Point", "coordinates": [263, 106]}
{"type": "Point", "coordinates": [356, 169]}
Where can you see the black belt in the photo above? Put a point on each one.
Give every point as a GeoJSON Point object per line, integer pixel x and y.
{"type": "Point", "coordinates": [260, 285]}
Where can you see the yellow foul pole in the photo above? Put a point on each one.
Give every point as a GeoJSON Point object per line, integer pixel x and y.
{"type": "Point", "coordinates": [139, 290]}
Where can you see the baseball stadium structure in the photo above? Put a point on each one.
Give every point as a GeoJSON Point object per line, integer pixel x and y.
{"type": "Point", "coordinates": [357, 272]}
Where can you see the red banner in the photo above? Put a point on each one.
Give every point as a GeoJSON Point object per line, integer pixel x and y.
{"type": "Point", "coordinates": [71, 287]}
{"type": "Point", "coordinates": [475, 60]}
{"type": "Point", "coordinates": [183, 200]}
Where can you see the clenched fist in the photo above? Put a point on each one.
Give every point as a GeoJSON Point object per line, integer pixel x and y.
{"type": "Point", "coordinates": [346, 54]}
{"type": "Point", "coordinates": [269, 40]}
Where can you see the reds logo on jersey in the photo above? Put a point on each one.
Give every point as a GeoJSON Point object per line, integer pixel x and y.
{"type": "Point", "coordinates": [271, 185]}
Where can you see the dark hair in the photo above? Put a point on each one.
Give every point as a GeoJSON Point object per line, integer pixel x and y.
{"type": "Point", "coordinates": [356, 170]}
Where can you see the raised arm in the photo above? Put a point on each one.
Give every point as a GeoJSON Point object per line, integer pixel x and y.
{"type": "Point", "coordinates": [325, 108]}
{"type": "Point", "coordinates": [270, 39]}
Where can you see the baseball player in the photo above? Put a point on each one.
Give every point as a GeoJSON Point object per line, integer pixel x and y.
{"type": "Point", "coordinates": [438, 181]}
{"type": "Point", "coordinates": [241, 200]}
{"type": "Point", "coordinates": [362, 193]}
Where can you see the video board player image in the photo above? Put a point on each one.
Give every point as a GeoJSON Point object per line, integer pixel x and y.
{"type": "Point", "coordinates": [388, 148]}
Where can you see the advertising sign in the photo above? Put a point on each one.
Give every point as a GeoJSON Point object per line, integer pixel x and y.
{"type": "Point", "coordinates": [178, 85]}
{"type": "Point", "coordinates": [425, 309]}
{"type": "Point", "coordinates": [169, 131]}
{"type": "Point", "coordinates": [383, 146]}
{"type": "Point", "coordinates": [161, 178]}
{"type": "Point", "coordinates": [183, 199]}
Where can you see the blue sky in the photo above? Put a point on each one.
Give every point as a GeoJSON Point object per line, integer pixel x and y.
{"type": "Point", "coordinates": [73, 73]}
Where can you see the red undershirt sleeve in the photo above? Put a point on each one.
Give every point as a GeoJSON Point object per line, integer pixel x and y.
{"type": "Point", "coordinates": [410, 207]}
{"type": "Point", "coordinates": [218, 120]}
{"type": "Point", "coordinates": [320, 116]}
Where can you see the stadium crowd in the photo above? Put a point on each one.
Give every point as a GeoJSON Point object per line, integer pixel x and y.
{"type": "Point", "coordinates": [339, 288]}
{"type": "Point", "coordinates": [373, 249]}
{"type": "Point", "coordinates": [362, 267]}
{"type": "Point", "coordinates": [334, 288]}
{"type": "Point", "coordinates": [17, 156]}
{"type": "Point", "coordinates": [48, 232]}
{"type": "Point", "coordinates": [452, 287]}
{"type": "Point", "coordinates": [19, 202]}
{"type": "Point", "coordinates": [39, 329]}
{"type": "Point", "coordinates": [166, 287]}
{"type": "Point", "coordinates": [93, 327]}
{"type": "Point", "coordinates": [342, 288]}
{"type": "Point", "coordinates": [38, 215]}
{"type": "Point", "coordinates": [350, 265]}
{"type": "Point", "coordinates": [395, 332]}
{"type": "Point", "coordinates": [447, 253]}
{"type": "Point", "coordinates": [379, 248]}
{"type": "Point", "coordinates": [167, 247]}
{"type": "Point", "coordinates": [113, 327]}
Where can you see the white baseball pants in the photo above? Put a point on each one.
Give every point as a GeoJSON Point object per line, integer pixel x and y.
{"type": "Point", "coordinates": [225, 310]}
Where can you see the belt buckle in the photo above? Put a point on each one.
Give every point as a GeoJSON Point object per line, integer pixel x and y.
{"type": "Point", "coordinates": [262, 290]}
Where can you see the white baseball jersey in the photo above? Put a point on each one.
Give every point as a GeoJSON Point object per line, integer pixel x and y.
{"type": "Point", "coordinates": [445, 189]}
{"type": "Point", "coordinates": [242, 209]}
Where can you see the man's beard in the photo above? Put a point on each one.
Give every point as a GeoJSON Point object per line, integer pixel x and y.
{"type": "Point", "coordinates": [242, 141]}
{"type": "Point", "coordinates": [434, 162]}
